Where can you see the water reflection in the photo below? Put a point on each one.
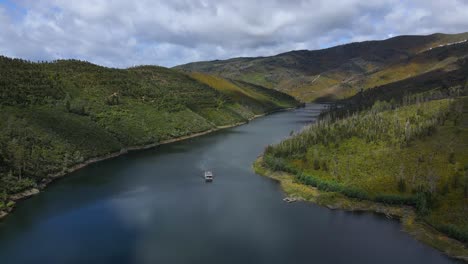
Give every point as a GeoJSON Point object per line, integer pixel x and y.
{"type": "Point", "coordinates": [154, 207]}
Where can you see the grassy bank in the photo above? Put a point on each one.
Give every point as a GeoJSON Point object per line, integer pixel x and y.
{"type": "Point", "coordinates": [410, 156]}
{"type": "Point", "coordinates": [334, 200]}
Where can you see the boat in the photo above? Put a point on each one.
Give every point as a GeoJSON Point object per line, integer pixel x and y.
{"type": "Point", "coordinates": [208, 176]}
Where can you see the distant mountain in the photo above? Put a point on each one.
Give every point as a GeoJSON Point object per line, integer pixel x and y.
{"type": "Point", "coordinates": [343, 70]}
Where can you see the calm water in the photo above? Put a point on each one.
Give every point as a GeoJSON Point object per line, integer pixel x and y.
{"type": "Point", "coordinates": [154, 207]}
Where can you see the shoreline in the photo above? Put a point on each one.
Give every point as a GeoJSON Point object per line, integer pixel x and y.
{"type": "Point", "coordinates": [17, 197]}
{"type": "Point", "coordinates": [405, 214]}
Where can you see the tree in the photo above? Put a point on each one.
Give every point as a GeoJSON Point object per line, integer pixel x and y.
{"type": "Point", "coordinates": [316, 160]}
{"type": "Point", "coordinates": [67, 102]}
{"type": "Point", "coordinates": [401, 180]}
{"type": "Point", "coordinates": [465, 189]}
{"type": "Point", "coordinates": [18, 156]}
{"type": "Point", "coordinates": [334, 169]}
{"type": "Point", "coordinates": [422, 205]}
{"type": "Point", "coordinates": [432, 176]}
{"type": "Point", "coordinates": [113, 99]}
{"type": "Point", "coordinates": [407, 131]}
{"type": "Point", "coordinates": [348, 166]}
{"type": "Point", "coordinates": [220, 102]}
{"type": "Point", "coordinates": [324, 165]}
{"type": "Point", "coordinates": [451, 157]}
{"type": "Point", "coordinates": [401, 185]}
{"type": "Point", "coordinates": [457, 176]}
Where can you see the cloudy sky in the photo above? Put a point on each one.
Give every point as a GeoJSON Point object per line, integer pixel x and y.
{"type": "Point", "coordinates": [122, 33]}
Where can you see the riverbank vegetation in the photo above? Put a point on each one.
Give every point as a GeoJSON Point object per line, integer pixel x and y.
{"type": "Point", "coordinates": [412, 153]}
{"type": "Point", "coordinates": [54, 115]}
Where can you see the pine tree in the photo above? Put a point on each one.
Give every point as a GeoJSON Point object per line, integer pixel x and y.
{"type": "Point", "coordinates": [465, 190]}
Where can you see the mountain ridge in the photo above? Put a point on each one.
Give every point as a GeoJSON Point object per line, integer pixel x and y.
{"type": "Point", "coordinates": [295, 72]}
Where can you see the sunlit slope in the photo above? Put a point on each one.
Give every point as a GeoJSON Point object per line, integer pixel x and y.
{"type": "Point", "coordinates": [254, 97]}
{"type": "Point", "coordinates": [413, 154]}
{"type": "Point", "coordinates": [340, 71]}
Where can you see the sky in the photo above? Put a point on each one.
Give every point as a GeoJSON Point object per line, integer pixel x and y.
{"type": "Point", "coordinates": [123, 33]}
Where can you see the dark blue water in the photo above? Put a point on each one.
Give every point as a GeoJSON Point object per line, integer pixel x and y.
{"type": "Point", "coordinates": [154, 207]}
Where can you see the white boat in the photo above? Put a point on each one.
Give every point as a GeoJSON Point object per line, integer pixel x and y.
{"type": "Point", "coordinates": [208, 176]}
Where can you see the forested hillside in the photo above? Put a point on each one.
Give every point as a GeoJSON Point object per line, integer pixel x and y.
{"type": "Point", "coordinates": [399, 144]}
{"type": "Point", "coordinates": [55, 115]}
{"type": "Point", "coordinates": [397, 134]}
{"type": "Point", "coordinates": [344, 70]}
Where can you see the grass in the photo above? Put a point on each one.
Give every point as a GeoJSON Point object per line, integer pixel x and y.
{"type": "Point", "coordinates": [333, 200]}
{"type": "Point", "coordinates": [255, 98]}
{"type": "Point", "coordinates": [368, 158]}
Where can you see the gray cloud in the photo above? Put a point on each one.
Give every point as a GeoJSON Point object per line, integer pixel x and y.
{"type": "Point", "coordinates": [123, 33]}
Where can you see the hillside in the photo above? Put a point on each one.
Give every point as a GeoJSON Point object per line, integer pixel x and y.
{"type": "Point", "coordinates": [341, 71]}
{"type": "Point", "coordinates": [57, 115]}
{"type": "Point", "coordinates": [399, 144]}
{"type": "Point", "coordinates": [438, 83]}
{"type": "Point", "coordinates": [254, 97]}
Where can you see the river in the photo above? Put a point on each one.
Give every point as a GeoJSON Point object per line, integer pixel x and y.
{"type": "Point", "coordinates": [153, 206]}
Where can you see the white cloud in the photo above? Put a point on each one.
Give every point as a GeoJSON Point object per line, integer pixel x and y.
{"type": "Point", "coordinates": [122, 33]}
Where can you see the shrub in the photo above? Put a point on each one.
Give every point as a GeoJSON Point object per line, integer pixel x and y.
{"type": "Point", "coordinates": [456, 179]}
{"type": "Point", "coordinates": [279, 164]}
{"type": "Point", "coordinates": [401, 185]}
{"type": "Point", "coordinates": [451, 157]}
{"type": "Point", "coordinates": [422, 203]}
{"type": "Point", "coordinates": [465, 189]}
{"type": "Point", "coordinates": [355, 193]}
{"type": "Point", "coordinates": [316, 164]}
{"type": "Point", "coordinates": [332, 186]}
{"type": "Point", "coordinates": [324, 165]}
{"type": "Point", "coordinates": [452, 231]}
{"type": "Point", "coordinates": [445, 189]}
{"type": "Point", "coordinates": [395, 199]}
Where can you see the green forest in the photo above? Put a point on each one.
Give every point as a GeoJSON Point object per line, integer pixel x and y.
{"type": "Point", "coordinates": [55, 115]}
